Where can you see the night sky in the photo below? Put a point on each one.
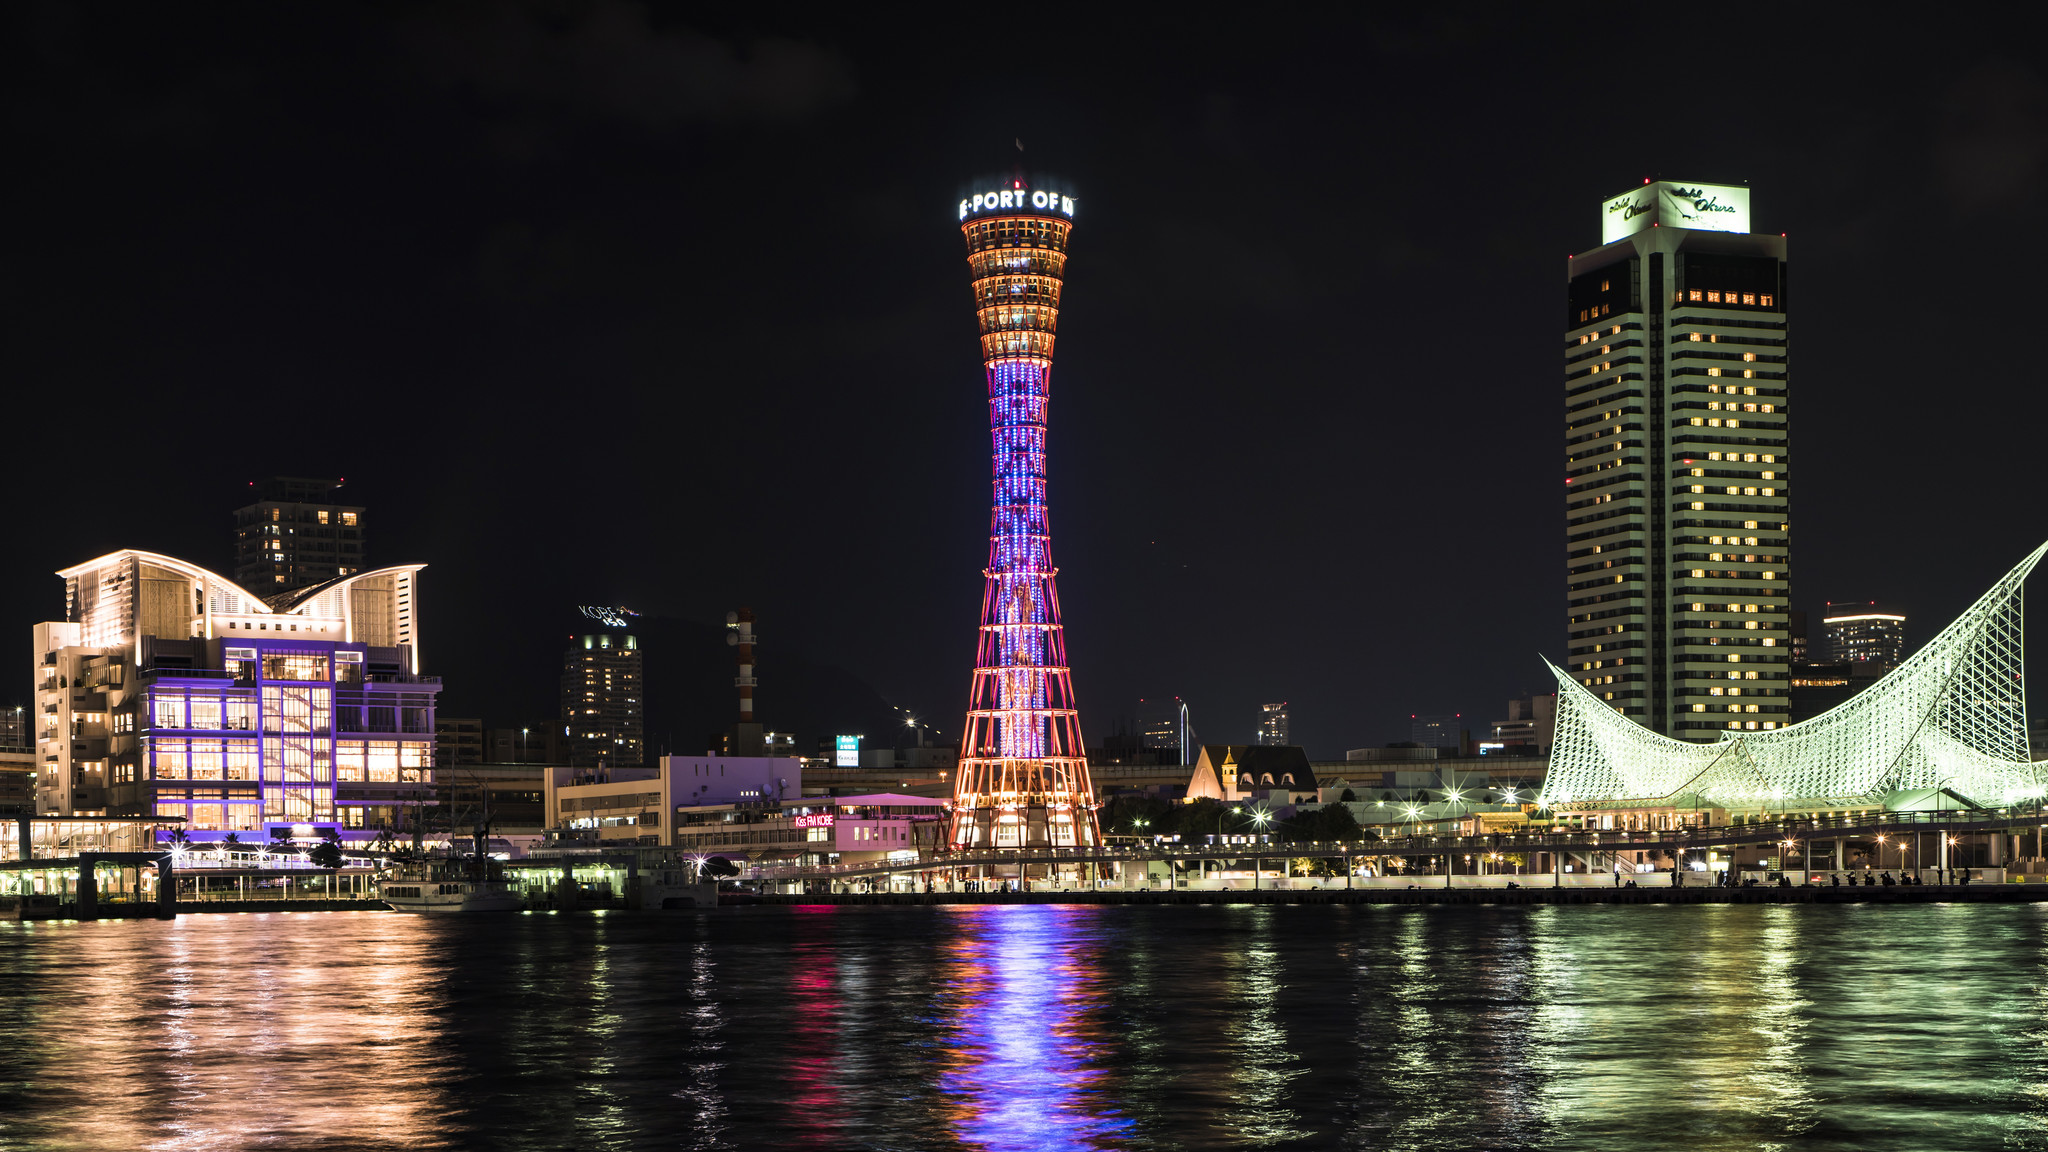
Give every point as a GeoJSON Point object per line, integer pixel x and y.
{"type": "Point", "coordinates": [601, 303]}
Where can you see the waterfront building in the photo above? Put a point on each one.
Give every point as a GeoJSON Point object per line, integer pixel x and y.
{"type": "Point", "coordinates": [603, 709]}
{"type": "Point", "coordinates": [1676, 469]}
{"type": "Point", "coordinates": [1023, 777]}
{"type": "Point", "coordinates": [169, 691]}
{"type": "Point", "coordinates": [1952, 717]}
{"type": "Point", "coordinates": [1235, 773]}
{"type": "Point", "coordinates": [296, 534]}
{"type": "Point", "coordinates": [636, 803]}
{"type": "Point", "coordinates": [458, 740]}
{"type": "Point", "coordinates": [1863, 633]}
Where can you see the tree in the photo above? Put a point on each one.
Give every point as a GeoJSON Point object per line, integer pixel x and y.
{"type": "Point", "coordinates": [719, 867]}
{"type": "Point", "coordinates": [1349, 797]}
{"type": "Point", "coordinates": [384, 842]}
{"type": "Point", "coordinates": [326, 854]}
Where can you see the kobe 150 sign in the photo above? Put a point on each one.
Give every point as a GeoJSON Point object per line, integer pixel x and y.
{"type": "Point", "coordinates": [1017, 200]}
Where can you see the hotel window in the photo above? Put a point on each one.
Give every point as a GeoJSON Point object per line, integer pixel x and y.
{"type": "Point", "coordinates": [323, 515]}
{"type": "Point", "coordinates": [1696, 294]}
{"type": "Point", "coordinates": [1713, 297]}
{"type": "Point", "coordinates": [1698, 507]}
{"type": "Point", "coordinates": [169, 711]}
{"type": "Point", "coordinates": [1696, 337]}
{"type": "Point", "coordinates": [1770, 408]}
{"type": "Point", "coordinates": [1734, 491]}
{"type": "Point", "coordinates": [1768, 458]}
{"type": "Point", "coordinates": [1749, 356]}
{"type": "Point", "coordinates": [1713, 371]}
{"type": "Point", "coordinates": [1697, 421]}
{"type": "Point", "coordinates": [1764, 301]}
{"type": "Point", "coordinates": [1699, 488]}
{"type": "Point", "coordinates": [1699, 707]}
{"type": "Point", "coordinates": [348, 518]}
{"type": "Point", "coordinates": [241, 759]}
{"type": "Point", "coordinates": [1699, 471]}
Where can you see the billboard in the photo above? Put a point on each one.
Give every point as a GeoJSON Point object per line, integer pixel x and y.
{"type": "Point", "coordinates": [1675, 204]}
{"type": "Point", "coordinates": [846, 752]}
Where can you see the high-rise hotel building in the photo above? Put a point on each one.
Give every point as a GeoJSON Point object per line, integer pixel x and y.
{"type": "Point", "coordinates": [1676, 465]}
{"type": "Point", "coordinates": [171, 691]}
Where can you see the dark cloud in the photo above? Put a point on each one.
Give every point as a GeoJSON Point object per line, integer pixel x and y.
{"type": "Point", "coordinates": [612, 58]}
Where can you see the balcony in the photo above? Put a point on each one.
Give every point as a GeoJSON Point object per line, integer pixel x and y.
{"type": "Point", "coordinates": [400, 678]}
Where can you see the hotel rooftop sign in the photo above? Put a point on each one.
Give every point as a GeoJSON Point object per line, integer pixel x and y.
{"type": "Point", "coordinates": [1672, 204]}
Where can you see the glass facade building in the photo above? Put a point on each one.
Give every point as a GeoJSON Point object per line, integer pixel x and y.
{"type": "Point", "coordinates": [172, 692]}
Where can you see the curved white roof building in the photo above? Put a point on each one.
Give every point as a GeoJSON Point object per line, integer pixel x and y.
{"type": "Point", "coordinates": [1954, 716]}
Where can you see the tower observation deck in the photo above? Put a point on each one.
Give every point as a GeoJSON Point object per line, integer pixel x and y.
{"type": "Point", "coordinates": [1023, 775]}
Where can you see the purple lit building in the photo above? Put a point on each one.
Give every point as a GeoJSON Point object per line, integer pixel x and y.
{"type": "Point", "coordinates": [171, 691]}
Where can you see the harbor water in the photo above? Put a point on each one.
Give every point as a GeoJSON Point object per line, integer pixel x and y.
{"type": "Point", "coordinates": [1910, 1027]}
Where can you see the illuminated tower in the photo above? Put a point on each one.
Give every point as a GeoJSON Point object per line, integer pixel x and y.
{"type": "Point", "coordinates": [1023, 775]}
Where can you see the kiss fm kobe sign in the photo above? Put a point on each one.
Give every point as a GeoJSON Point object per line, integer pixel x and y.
{"type": "Point", "coordinates": [1017, 200]}
{"type": "Point", "coordinates": [1671, 204]}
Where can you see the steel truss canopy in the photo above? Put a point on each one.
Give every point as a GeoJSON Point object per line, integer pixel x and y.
{"type": "Point", "coordinates": [1954, 717]}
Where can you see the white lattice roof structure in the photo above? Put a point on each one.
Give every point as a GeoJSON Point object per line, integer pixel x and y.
{"type": "Point", "coordinates": [1952, 716]}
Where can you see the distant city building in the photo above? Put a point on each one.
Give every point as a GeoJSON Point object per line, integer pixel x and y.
{"type": "Point", "coordinates": [602, 709]}
{"type": "Point", "coordinates": [173, 692]}
{"type": "Point", "coordinates": [528, 745]}
{"type": "Point", "coordinates": [1675, 463]}
{"type": "Point", "coordinates": [297, 534]}
{"type": "Point", "coordinates": [1531, 722]}
{"type": "Point", "coordinates": [1795, 623]}
{"type": "Point", "coordinates": [17, 764]}
{"type": "Point", "coordinates": [1237, 772]}
{"type": "Point", "coordinates": [1437, 731]}
{"type": "Point", "coordinates": [1863, 633]}
{"type": "Point", "coordinates": [458, 740]}
{"type": "Point", "coordinates": [1273, 724]}
{"type": "Point", "coordinates": [1162, 727]}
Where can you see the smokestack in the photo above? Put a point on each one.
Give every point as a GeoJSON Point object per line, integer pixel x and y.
{"type": "Point", "coordinates": [740, 633]}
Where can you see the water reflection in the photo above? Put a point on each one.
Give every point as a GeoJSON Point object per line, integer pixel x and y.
{"type": "Point", "coordinates": [1025, 1065]}
{"type": "Point", "coordinates": [1879, 1029]}
{"type": "Point", "coordinates": [814, 1001]}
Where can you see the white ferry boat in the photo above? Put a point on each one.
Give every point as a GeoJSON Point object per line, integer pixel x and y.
{"type": "Point", "coordinates": [414, 894]}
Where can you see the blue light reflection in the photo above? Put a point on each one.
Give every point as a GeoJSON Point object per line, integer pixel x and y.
{"type": "Point", "coordinates": [1024, 1064]}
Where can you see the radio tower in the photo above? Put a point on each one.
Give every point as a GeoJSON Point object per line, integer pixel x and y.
{"type": "Point", "coordinates": [1023, 775]}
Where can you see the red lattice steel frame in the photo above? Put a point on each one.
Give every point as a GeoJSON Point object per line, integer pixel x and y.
{"type": "Point", "coordinates": [1023, 775]}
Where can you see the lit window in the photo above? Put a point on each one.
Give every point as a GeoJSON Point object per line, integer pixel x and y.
{"type": "Point", "coordinates": [1699, 607]}
{"type": "Point", "coordinates": [1695, 294]}
{"type": "Point", "coordinates": [1713, 297]}
{"type": "Point", "coordinates": [1770, 575]}
{"type": "Point", "coordinates": [1713, 371]}
{"type": "Point", "coordinates": [1699, 471]}
{"type": "Point", "coordinates": [1699, 488]}
{"type": "Point", "coordinates": [1713, 539]}
{"type": "Point", "coordinates": [1699, 707]}
{"type": "Point", "coordinates": [1696, 422]}
{"type": "Point", "coordinates": [1770, 491]}
{"type": "Point", "coordinates": [1714, 556]}
{"type": "Point", "coordinates": [1734, 491]}
{"type": "Point", "coordinates": [1770, 459]}
{"type": "Point", "coordinates": [1713, 691]}
{"type": "Point", "coordinates": [1764, 301]}
{"type": "Point", "coordinates": [1714, 456]}
{"type": "Point", "coordinates": [1698, 507]}
{"type": "Point", "coordinates": [1748, 298]}
{"type": "Point", "coordinates": [1713, 422]}
{"type": "Point", "coordinates": [1749, 491]}
{"type": "Point", "coordinates": [1769, 407]}
{"type": "Point", "coordinates": [1699, 573]}
{"type": "Point", "coordinates": [1750, 524]}
{"type": "Point", "coordinates": [1750, 458]}
{"type": "Point", "coordinates": [1749, 356]}
{"type": "Point", "coordinates": [1696, 337]}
